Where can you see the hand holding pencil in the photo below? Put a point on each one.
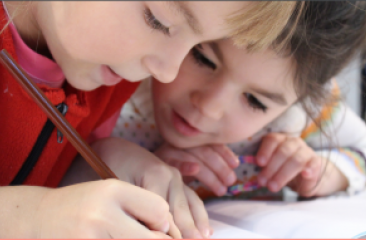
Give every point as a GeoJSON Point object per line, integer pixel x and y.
{"type": "Point", "coordinates": [99, 209]}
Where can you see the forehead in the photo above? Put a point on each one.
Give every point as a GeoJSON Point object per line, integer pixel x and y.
{"type": "Point", "coordinates": [208, 16]}
{"type": "Point", "coordinates": [265, 69]}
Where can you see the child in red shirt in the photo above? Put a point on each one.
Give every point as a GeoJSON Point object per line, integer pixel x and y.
{"type": "Point", "coordinates": [96, 45]}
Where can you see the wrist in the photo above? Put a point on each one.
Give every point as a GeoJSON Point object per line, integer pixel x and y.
{"type": "Point", "coordinates": [41, 209]}
{"type": "Point", "coordinates": [19, 211]}
{"type": "Point", "coordinates": [356, 180]}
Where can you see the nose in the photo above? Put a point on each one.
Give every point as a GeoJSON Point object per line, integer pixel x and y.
{"type": "Point", "coordinates": [164, 65]}
{"type": "Point", "coordinates": [212, 101]}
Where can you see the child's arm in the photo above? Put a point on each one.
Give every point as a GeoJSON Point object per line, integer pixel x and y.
{"type": "Point", "coordinates": [99, 209]}
{"type": "Point", "coordinates": [342, 140]}
{"type": "Point", "coordinates": [339, 141]}
{"type": "Point", "coordinates": [135, 165]}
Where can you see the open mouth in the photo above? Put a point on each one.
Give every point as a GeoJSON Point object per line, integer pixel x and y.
{"type": "Point", "coordinates": [182, 126]}
{"type": "Point", "coordinates": [110, 77]}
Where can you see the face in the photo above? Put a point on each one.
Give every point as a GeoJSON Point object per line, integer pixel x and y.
{"type": "Point", "coordinates": [99, 43]}
{"type": "Point", "coordinates": [222, 94]}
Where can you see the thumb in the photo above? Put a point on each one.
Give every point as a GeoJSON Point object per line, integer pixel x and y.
{"type": "Point", "coordinates": [147, 207]}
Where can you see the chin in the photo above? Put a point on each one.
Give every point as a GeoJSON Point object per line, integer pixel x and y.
{"type": "Point", "coordinates": [87, 88]}
{"type": "Point", "coordinates": [180, 142]}
{"type": "Point", "coordinates": [83, 84]}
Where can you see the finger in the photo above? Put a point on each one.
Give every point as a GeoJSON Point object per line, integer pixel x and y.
{"type": "Point", "coordinates": [269, 144]}
{"type": "Point", "coordinates": [307, 187]}
{"type": "Point", "coordinates": [158, 185]}
{"type": "Point", "coordinates": [173, 230]}
{"type": "Point", "coordinates": [199, 212]}
{"type": "Point", "coordinates": [131, 229]}
{"type": "Point", "coordinates": [180, 208]}
{"type": "Point", "coordinates": [208, 178]}
{"type": "Point", "coordinates": [291, 168]}
{"type": "Point", "coordinates": [144, 206]}
{"type": "Point", "coordinates": [313, 168]}
{"type": "Point", "coordinates": [159, 235]}
{"type": "Point", "coordinates": [188, 179]}
{"type": "Point", "coordinates": [213, 161]}
{"type": "Point", "coordinates": [184, 161]}
{"type": "Point", "coordinates": [310, 185]}
{"type": "Point", "coordinates": [185, 168]}
{"type": "Point", "coordinates": [280, 156]}
{"type": "Point", "coordinates": [124, 226]}
{"type": "Point", "coordinates": [227, 155]}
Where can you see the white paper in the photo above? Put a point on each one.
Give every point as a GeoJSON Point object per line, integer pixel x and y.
{"type": "Point", "coordinates": [223, 230]}
{"type": "Point", "coordinates": [328, 218]}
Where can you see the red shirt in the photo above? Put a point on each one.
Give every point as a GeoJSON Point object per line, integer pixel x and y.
{"type": "Point", "coordinates": [21, 121]}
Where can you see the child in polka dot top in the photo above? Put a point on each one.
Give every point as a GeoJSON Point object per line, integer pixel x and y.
{"type": "Point", "coordinates": [136, 123]}
{"type": "Point", "coordinates": [234, 121]}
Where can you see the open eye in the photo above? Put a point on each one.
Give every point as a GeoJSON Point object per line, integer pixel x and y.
{"type": "Point", "coordinates": [254, 102]}
{"type": "Point", "coordinates": [155, 23]}
{"type": "Point", "coordinates": [201, 59]}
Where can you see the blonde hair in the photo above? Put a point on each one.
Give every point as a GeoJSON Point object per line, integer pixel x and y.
{"type": "Point", "coordinates": [256, 27]}
{"type": "Point", "coordinates": [260, 24]}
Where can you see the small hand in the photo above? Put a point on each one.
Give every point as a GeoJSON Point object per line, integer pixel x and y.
{"type": "Point", "coordinates": [212, 165]}
{"type": "Point", "coordinates": [103, 209]}
{"type": "Point", "coordinates": [136, 165]}
{"type": "Point", "coordinates": [289, 160]}
{"type": "Point", "coordinates": [283, 158]}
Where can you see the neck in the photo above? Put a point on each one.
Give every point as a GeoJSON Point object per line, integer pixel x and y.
{"type": "Point", "coordinates": [24, 17]}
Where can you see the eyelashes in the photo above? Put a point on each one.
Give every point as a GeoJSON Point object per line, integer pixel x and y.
{"type": "Point", "coordinates": [202, 60]}
{"type": "Point", "coordinates": [155, 23]}
{"type": "Point", "coordinates": [255, 103]}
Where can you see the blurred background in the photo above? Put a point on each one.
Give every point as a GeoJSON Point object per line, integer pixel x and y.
{"type": "Point", "coordinates": [352, 82]}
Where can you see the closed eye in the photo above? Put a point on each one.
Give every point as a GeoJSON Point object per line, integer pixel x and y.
{"type": "Point", "coordinates": [155, 23]}
{"type": "Point", "coordinates": [201, 59]}
{"type": "Point", "coordinates": [254, 102]}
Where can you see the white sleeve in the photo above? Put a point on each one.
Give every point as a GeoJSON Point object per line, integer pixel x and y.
{"type": "Point", "coordinates": [342, 140]}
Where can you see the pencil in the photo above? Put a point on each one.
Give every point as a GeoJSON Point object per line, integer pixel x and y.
{"type": "Point", "coordinates": [56, 117]}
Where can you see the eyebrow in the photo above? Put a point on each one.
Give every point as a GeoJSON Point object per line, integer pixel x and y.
{"type": "Point", "coordinates": [216, 49]}
{"type": "Point", "coordinates": [275, 97]}
{"type": "Point", "coordinates": [184, 9]}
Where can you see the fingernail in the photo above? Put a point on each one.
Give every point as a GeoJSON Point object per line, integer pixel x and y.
{"type": "Point", "coordinates": [307, 172]}
{"type": "Point", "coordinates": [222, 190]}
{"type": "Point", "coordinates": [211, 231]}
{"type": "Point", "coordinates": [231, 179]}
{"type": "Point", "coordinates": [165, 227]}
{"type": "Point", "coordinates": [261, 161]}
{"type": "Point", "coordinates": [207, 233]}
{"type": "Point", "coordinates": [262, 181]}
{"type": "Point", "coordinates": [273, 186]}
{"type": "Point", "coordinates": [236, 161]}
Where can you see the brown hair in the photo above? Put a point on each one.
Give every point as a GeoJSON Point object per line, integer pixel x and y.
{"type": "Point", "coordinates": [262, 22]}
{"type": "Point", "coordinates": [327, 36]}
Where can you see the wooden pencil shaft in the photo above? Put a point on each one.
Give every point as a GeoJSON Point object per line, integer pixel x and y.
{"type": "Point", "coordinates": [56, 117]}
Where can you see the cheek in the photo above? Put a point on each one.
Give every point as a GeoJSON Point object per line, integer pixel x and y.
{"type": "Point", "coordinates": [246, 125]}
{"type": "Point", "coordinates": [180, 88]}
{"type": "Point", "coordinates": [106, 33]}
{"type": "Point", "coordinates": [242, 130]}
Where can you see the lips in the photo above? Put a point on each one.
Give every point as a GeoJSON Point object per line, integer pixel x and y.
{"type": "Point", "coordinates": [182, 126]}
{"type": "Point", "coordinates": [109, 76]}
